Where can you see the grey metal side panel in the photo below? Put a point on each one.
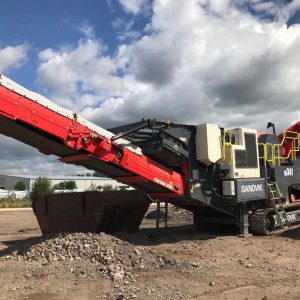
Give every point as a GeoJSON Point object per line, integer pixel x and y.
{"type": "Point", "coordinates": [285, 176]}
{"type": "Point", "coordinates": [250, 189]}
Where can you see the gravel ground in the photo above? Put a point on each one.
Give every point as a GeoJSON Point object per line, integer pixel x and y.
{"type": "Point", "coordinates": [174, 263]}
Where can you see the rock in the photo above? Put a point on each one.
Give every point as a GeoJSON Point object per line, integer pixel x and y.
{"type": "Point", "coordinates": [249, 266]}
{"type": "Point", "coordinates": [211, 283]}
{"type": "Point", "coordinates": [119, 276]}
{"type": "Point", "coordinates": [137, 252]}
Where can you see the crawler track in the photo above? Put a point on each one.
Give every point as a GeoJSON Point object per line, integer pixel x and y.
{"type": "Point", "coordinates": [261, 222]}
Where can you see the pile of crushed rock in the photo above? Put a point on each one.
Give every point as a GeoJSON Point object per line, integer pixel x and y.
{"type": "Point", "coordinates": [174, 213]}
{"type": "Point", "coordinates": [114, 258]}
{"type": "Point", "coordinates": [177, 213]}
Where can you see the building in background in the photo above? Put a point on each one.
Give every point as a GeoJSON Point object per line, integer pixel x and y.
{"type": "Point", "coordinates": [8, 182]}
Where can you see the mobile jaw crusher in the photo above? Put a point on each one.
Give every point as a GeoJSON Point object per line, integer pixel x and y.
{"type": "Point", "coordinates": [233, 176]}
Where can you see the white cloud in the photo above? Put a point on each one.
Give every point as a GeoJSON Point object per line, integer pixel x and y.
{"type": "Point", "coordinates": [132, 6]}
{"type": "Point", "coordinates": [269, 6]}
{"type": "Point", "coordinates": [219, 6]}
{"type": "Point", "coordinates": [18, 159]}
{"type": "Point", "coordinates": [12, 57]}
{"type": "Point", "coordinates": [78, 76]}
{"type": "Point", "coordinates": [200, 61]}
{"type": "Point", "coordinates": [125, 30]}
{"type": "Point", "coordinates": [87, 30]}
{"type": "Point", "coordinates": [289, 10]}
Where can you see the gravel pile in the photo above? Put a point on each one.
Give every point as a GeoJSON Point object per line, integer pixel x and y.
{"type": "Point", "coordinates": [178, 213]}
{"type": "Point", "coordinates": [174, 213]}
{"type": "Point", "coordinates": [113, 257]}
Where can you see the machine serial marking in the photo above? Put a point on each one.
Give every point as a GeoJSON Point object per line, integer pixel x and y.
{"type": "Point", "coordinates": [288, 172]}
{"type": "Point", "coordinates": [251, 188]}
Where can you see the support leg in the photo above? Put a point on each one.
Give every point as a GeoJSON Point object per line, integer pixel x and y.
{"type": "Point", "coordinates": [166, 214]}
{"type": "Point", "coordinates": [157, 213]}
{"type": "Point", "coordinates": [244, 220]}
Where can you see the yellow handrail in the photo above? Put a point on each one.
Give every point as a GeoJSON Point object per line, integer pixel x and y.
{"type": "Point", "coordinates": [226, 145]}
{"type": "Point", "coordinates": [277, 190]}
{"type": "Point", "coordinates": [276, 149]}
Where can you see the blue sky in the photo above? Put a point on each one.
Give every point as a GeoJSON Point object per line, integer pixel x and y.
{"type": "Point", "coordinates": [53, 24]}
{"type": "Point", "coordinates": [232, 62]}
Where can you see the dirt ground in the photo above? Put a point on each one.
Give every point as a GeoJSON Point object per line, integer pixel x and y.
{"type": "Point", "coordinates": [210, 265]}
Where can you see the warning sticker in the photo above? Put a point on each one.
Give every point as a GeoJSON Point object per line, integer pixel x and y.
{"type": "Point", "coordinates": [167, 185]}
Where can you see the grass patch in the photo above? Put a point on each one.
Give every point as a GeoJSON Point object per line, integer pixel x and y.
{"type": "Point", "coordinates": [15, 203]}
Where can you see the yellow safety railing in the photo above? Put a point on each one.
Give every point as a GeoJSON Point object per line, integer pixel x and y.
{"type": "Point", "coordinates": [268, 153]}
{"type": "Point", "coordinates": [226, 144]}
{"type": "Point", "coordinates": [272, 153]}
{"type": "Point", "coordinates": [294, 137]}
{"type": "Point", "coordinates": [274, 192]}
{"type": "Point", "coordinates": [277, 154]}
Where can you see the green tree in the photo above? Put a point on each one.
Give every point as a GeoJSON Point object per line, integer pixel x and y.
{"type": "Point", "coordinates": [107, 187]}
{"type": "Point", "coordinates": [66, 185]}
{"type": "Point", "coordinates": [20, 186]}
{"type": "Point", "coordinates": [123, 188]}
{"type": "Point", "coordinates": [58, 186]}
{"type": "Point", "coordinates": [41, 186]}
{"type": "Point", "coordinates": [71, 185]}
{"type": "Point", "coordinates": [93, 187]}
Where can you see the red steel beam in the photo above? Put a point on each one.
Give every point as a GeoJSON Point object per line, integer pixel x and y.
{"type": "Point", "coordinates": [76, 136]}
{"type": "Point", "coordinates": [131, 179]}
